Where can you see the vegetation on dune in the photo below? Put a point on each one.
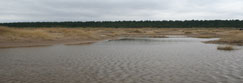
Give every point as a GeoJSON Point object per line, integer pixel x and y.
{"type": "Point", "coordinates": [188, 32]}
{"type": "Point", "coordinates": [135, 24]}
{"type": "Point", "coordinates": [23, 34]}
{"type": "Point", "coordinates": [234, 38]}
{"type": "Point", "coordinates": [40, 34]}
{"type": "Point", "coordinates": [226, 48]}
{"type": "Point", "coordinates": [69, 33]}
{"type": "Point", "coordinates": [207, 35]}
{"type": "Point", "coordinates": [227, 36]}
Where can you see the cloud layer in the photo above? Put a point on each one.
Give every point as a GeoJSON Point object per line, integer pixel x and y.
{"type": "Point", "coordinates": [100, 10]}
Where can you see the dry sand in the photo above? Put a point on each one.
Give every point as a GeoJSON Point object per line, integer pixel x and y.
{"type": "Point", "coordinates": [22, 37]}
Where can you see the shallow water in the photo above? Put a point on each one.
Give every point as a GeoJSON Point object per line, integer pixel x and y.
{"type": "Point", "coordinates": [139, 60]}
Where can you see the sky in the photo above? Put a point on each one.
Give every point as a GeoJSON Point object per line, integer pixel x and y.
{"type": "Point", "coordinates": [114, 10]}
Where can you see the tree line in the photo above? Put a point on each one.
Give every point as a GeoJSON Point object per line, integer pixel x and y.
{"type": "Point", "coordinates": [135, 24]}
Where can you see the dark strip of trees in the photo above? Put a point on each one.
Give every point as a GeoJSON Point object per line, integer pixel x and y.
{"type": "Point", "coordinates": [135, 24]}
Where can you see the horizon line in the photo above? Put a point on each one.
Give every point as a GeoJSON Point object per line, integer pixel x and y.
{"type": "Point", "coordinates": [122, 20]}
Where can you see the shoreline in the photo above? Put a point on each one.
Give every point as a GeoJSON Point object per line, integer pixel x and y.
{"type": "Point", "coordinates": [45, 43]}
{"type": "Point", "coordinates": [56, 42]}
{"type": "Point", "coordinates": [35, 37]}
{"type": "Point", "coordinates": [71, 42]}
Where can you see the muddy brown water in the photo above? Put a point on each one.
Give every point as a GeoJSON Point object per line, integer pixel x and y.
{"type": "Point", "coordinates": [129, 60]}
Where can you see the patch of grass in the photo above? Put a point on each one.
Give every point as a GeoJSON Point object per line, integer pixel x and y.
{"type": "Point", "coordinates": [23, 34]}
{"type": "Point", "coordinates": [206, 36]}
{"type": "Point", "coordinates": [226, 48]}
{"type": "Point", "coordinates": [4, 30]}
{"type": "Point", "coordinates": [137, 31]}
{"type": "Point", "coordinates": [236, 39]}
{"type": "Point", "coordinates": [188, 32]}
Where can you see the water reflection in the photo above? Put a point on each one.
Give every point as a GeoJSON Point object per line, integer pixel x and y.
{"type": "Point", "coordinates": [138, 60]}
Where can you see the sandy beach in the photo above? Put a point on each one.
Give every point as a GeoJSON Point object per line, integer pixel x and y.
{"type": "Point", "coordinates": [28, 37]}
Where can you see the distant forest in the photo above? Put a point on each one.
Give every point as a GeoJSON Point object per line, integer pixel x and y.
{"type": "Point", "coordinates": [135, 24]}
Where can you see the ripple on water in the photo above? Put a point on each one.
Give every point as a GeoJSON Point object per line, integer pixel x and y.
{"type": "Point", "coordinates": [143, 60]}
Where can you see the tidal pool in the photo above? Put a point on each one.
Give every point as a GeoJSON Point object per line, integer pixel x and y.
{"type": "Point", "coordinates": [125, 60]}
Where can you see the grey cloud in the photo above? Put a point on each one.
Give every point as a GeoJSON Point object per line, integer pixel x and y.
{"type": "Point", "coordinates": [98, 10]}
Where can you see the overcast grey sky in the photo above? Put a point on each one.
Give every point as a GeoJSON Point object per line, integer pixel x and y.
{"type": "Point", "coordinates": [99, 10]}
